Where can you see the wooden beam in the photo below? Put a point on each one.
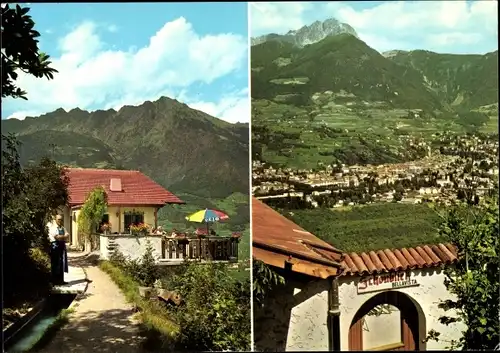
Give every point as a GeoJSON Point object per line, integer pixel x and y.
{"type": "Point", "coordinates": [120, 220]}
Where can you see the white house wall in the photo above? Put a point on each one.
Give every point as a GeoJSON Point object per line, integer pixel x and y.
{"type": "Point", "coordinates": [130, 245]}
{"type": "Point", "coordinates": [308, 330]}
{"type": "Point", "coordinates": [430, 292]}
{"type": "Point", "coordinates": [294, 318]}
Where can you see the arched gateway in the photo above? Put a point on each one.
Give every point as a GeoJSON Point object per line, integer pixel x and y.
{"type": "Point", "coordinates": [388, 321]}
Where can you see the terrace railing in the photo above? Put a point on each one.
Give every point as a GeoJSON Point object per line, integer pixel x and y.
{"type": "Point", "coordinates": [215, 248]}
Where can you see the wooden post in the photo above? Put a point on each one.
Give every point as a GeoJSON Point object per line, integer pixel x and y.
{"type": "Point", "coordinates": [120, 220]}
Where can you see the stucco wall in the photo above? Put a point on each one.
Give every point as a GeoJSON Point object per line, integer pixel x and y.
{"type": "Point", "coordinates": [294, 318]}
{"type": "Point", "coordinates": [430, 292]}
{"type": "Point", "coordinates": [130, 245]}
{"type": "Point", "coordinates": [118, 222]}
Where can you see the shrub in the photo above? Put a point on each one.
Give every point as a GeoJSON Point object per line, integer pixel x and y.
{"type": "Point", "coordinates": [144, 270]}
{"type": "Point", "coordinates": [149, 269]}
{"type": "Point", "coordinates": [41, 259]}
{"type": "Point", "coordinates": [118, 259]}
{"type": "Point", "coordinates": [216, 314]}
{"type": "Point", "coordinates": [217, 311]}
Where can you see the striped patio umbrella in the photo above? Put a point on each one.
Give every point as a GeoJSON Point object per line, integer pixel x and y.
{"type": "Point", "coordinates": [207, 216]}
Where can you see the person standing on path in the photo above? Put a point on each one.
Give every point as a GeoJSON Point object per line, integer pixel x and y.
{"type": "Point", "coordinates": [58, 253]}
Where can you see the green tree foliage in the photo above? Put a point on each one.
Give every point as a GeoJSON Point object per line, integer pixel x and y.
{"type": "Point", "coordinates": [474, 280]}
{"type": "Point", "coordinates": [30, 197]}
{"type": "Point", "coordinates": [216, 311]}
{"type": "Point", "coordinates": [216, 315]}
{"type": "Point", "coordinates": [20, 50]}
{"type": "Point", "coordinates": [264, 279]}
{"type": "Point", "coordinates": [92, 211]}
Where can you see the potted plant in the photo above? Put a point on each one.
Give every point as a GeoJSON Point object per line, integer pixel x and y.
{"type": "Point", "coordinates": [140, 229]}
{"type": "Point", "coordinates": [201, 233]}
{"type": "Point", "coordinates": [235, 236]}
{"type": "Point", "coordinates": [106, 228]}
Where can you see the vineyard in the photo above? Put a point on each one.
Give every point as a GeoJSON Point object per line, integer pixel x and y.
{"type": "Point", "coordinates": [371, 227]}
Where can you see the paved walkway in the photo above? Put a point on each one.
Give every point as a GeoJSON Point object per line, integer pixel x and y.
{"type": "Point", "coordinates": [76, 279]}
{"type": "Point", "coordinates": [102, 320]}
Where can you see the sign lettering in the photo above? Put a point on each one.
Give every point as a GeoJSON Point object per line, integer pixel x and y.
{"type": "Point", "coordinates": [386, 282]}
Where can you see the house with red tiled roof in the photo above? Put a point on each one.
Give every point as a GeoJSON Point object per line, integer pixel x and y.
{"type": "Point", "coordinates": [332, 300]}
{"type": "Point", "coordinates": [132, 198]}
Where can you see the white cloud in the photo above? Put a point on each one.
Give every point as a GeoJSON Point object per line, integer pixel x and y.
{"type": "Point", "coordinates": [454, 26]}
{"type": "Point", "coordinates": [21, 115]}
{"type": "Point", "coordinates": [94, 76]}
{"type": "Point", "coordinates": [112, 28]}
{"type": "Point", "coordinates": [277, 17]}
{"type": "Point", "coordinates": [233, 108]}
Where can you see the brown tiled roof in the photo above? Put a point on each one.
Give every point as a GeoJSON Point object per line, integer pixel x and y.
{"type": "Point", "coordinates": [398, 259]}
{"type": "Point", "coordinates": [276, 238]}
{"type": "Point", "coordinates": [276, 241]}
{"type": "Point", "coordinates": [136, 188]}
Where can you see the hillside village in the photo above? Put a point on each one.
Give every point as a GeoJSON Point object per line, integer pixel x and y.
{"type": "Point", "coordinates": [454, 165]}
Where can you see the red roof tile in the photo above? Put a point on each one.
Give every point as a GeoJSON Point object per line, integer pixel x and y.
{"type": "Point", "coordinates": [275, 238]}
{"type": "Point", "coordinates": [398, 259]}
{"type": "Point", "coordinates": [137, 188]}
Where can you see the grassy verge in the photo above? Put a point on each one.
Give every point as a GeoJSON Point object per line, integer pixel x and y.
{"type": "Point", "coordinates": [159, 331]}
{"type": "Point", "coordinates": [49, 334]}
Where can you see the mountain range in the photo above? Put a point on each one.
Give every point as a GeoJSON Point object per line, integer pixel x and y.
{"type": "Point", "coordinates": [308, 34]}
{"type": "Point", "coordinates": [324, 77]}
{"type": "Point", "coordinates": [185, 150]}
{"type": "Point", "coordinates": [330, 56]}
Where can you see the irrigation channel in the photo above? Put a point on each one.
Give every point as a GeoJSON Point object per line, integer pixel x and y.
{"type": "Point", "coordinates": [24, 335]}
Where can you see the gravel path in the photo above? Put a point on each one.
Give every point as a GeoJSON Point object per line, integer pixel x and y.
{"type": "Point", "coordinates": [102, 321]}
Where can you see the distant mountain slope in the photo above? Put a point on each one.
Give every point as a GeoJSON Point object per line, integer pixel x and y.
{"type": "Point", "coordinates": [337, 100]}
{"type": "Point", "coordinates": [467, 81]}
{"type": "Point", "coordinates": [309, 34]}
{"type": "Point", "coordinates": [67, 147]}
{"type": "Point", "coordinates": [184, 149]}
{"type": "Point", "coordinates": [336, 63]}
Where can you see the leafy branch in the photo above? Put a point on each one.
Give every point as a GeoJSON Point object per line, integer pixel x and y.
{"type": "Point", "coordinates": [20, 51]}
{"type": "Point", "coordinates": [264, 279]}
{"type": "Point", "coordinates": [474, 281]}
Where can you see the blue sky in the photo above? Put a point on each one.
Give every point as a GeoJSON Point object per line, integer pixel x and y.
{"type": "Point", "coordinates": [112, 54]}
{"type": "Point", "coordinates": [442, 26]}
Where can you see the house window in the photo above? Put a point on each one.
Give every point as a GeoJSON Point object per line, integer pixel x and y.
{"type": "Point", "coordinates": [133, 218]}
{"type": "Point", "coordinates": [105, 219]}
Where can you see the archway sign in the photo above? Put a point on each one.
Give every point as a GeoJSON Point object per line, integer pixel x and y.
{"type": "Point", "coordinates": [386, 281]}
{"type": "Point", "coordinates": [388, 321]}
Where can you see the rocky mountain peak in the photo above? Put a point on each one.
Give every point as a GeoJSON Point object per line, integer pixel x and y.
{"type": "Point", "coordinates": [310, 34]}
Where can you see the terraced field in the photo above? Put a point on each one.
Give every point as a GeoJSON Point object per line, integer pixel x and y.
{"type": "Point", "coordinates": [373, 227]}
